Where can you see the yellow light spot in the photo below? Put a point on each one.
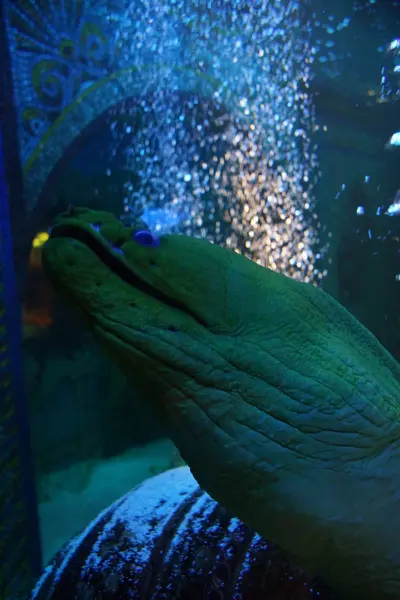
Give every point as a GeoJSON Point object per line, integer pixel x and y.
{"type": "Point", "coordinates": [40, 239]}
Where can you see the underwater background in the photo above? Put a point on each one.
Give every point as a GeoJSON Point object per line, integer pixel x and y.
{"type": "Point", "coordinates": [269, 127]}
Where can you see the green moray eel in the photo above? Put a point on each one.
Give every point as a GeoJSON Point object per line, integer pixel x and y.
{"type": "Point", "coordinates": [285, 407]}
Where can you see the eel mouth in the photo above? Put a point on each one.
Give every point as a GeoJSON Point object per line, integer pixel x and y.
{"type": "Point", "coordinates": [119, 267]}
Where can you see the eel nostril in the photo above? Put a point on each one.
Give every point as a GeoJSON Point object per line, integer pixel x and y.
{"type": "Point", "coordinates": [74, 211]}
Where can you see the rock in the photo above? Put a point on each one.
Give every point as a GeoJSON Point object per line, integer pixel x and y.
{"type": "Point", "coordinates": [167, 539]}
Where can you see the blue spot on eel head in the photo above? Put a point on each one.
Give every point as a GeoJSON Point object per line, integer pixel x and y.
{"type": "Point", "coordinates": [146, 238]}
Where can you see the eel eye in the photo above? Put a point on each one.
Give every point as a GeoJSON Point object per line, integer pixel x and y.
{"type": "Point", "coordinates": [146, 238]}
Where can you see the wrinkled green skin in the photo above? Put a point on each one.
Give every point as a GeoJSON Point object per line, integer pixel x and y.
{"type": "Point", "coordinates": [285, 407]}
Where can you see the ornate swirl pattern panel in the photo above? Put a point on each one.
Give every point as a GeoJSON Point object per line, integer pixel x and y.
{"type": "Point", "coordinates": [58, 48]}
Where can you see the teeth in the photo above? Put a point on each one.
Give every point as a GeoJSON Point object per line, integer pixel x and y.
{"type": "Point", "coordinates": [118, 250]}
{"type": "Point", "coordinates": [95, 226]}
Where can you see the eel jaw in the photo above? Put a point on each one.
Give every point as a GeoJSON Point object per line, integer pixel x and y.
{"type": "Point", "coordinates": [117, 265]}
